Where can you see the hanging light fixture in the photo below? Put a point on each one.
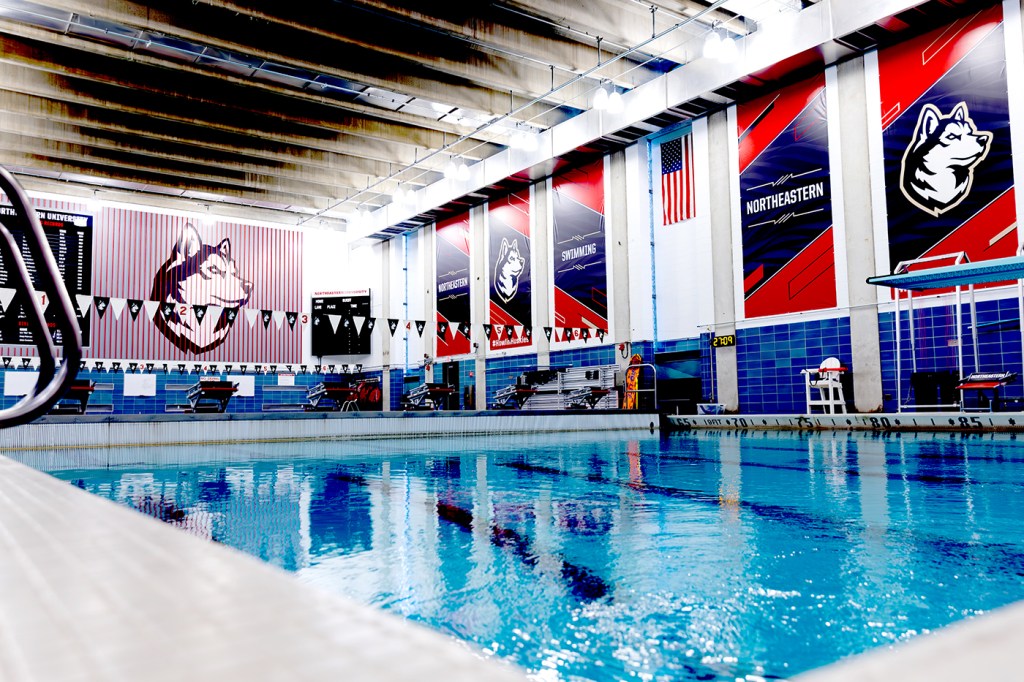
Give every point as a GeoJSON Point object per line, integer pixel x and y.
{"type": "Point", "coordinates": [400, 196]}
{"type": "Point", "coordinates": [615, 102]}
{"type": "Point", "coordinates": [462, 173]}
{"type": "Point", "coordinates": [712, 45]}
{"type": "Point", "coordinates": [601, 99]}
{"type": "Point", "coordinates": [450, 171]}
{"type": "Point", "coordinates": [730, 52]}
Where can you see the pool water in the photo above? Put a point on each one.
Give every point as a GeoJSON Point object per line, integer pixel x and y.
{"type": "Point", "coordinates": [708, 556]}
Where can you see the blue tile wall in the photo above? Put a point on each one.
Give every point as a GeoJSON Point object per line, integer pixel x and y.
{"type": "Point", "coordinates": [701, 343]}
{"type": "Point", "coordinates": [168, 397]}
{"type": "Point", "coordinates": [502, 372]}
{"type": "Point", "coordinates": [584, 357]}
{"type": "Point", "coordinates": [399, 386]}
{"type": "Point", "coordinates": [467, 377]}
{"type": "Point", "coordinates": [999, 346]}
{"type": "Point", "coordinates": [769, 360]}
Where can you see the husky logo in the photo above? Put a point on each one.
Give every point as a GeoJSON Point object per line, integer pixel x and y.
{"type": "Point", "coordinates": [938, 167]}
{"type": "Point", "coordinates": [197, 274]}
{"type": "Point", "coordinates": [507, 270]}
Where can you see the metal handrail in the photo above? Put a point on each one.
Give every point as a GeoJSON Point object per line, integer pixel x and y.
{"type": "Point", "coordinates": [653, 389]}
{"type": "Point", "coordinates": [51, 384]}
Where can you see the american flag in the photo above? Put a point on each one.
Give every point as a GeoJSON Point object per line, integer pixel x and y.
{"type": "Point", "coordinates": [677, 196]}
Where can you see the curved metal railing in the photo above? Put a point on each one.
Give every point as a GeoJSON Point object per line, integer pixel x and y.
{"type": "Point", "coordinates": [52, 383]}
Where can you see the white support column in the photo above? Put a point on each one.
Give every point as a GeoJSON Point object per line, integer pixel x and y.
{"type": "Point", "coordinates": [720, 164]}
{"type": "Point", "coordinates": [618, 222]}
{"type": "Point", "coordinates": [479, 301]}
{"type": "Point", "coordinates": [541, 270]}
{"type": "Point", "coordinates": [385, 334]}
{"type": "Point", "coordinates": [860, 241]}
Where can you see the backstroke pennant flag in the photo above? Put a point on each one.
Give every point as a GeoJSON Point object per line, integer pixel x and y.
{"type": "Point", "coordinates": [677, 195]}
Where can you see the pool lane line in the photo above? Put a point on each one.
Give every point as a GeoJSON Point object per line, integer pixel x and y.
{"type": "Point", "coordinates": [584, 584]}
{"type": "Point", "coordinates": [964, 438]}
{"type": "Point", "coordinates": [926, 478]}
{"type": "Point", "coordinates": [838, 528]}
{"type": "Point", "coordinates": [917, 478]}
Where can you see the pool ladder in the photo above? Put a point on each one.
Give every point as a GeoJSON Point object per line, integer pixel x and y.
{"type": "Point", "coordinates": [52, 382]}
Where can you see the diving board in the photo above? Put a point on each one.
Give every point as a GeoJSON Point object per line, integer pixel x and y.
{"type": "Point", "coordinates": [962, 274]}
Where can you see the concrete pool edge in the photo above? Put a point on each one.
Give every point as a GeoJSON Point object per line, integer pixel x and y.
{"type": "Point", "coordinates": [983, 648]}
{"type": "Point", "coordinates": [187, 430]}
{"type": "Point", "coordinates": [96, 591]}
{"type": "Point", "coordinates": [965, 422]}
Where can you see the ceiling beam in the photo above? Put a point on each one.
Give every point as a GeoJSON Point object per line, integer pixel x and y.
{"type": "Point", "coordinates": [152, 201]}
{"type": "Point", "coordinates": [71, 162]}
{"type": "Point", "coordinates": [230, 27]}
{"type": "Point", "coordinates": [492, 29]}
{"type": "Point", "coordinates": [203, 92]}
{"type": "Point", "coordinates": [316, 181]}
{"type": "Point", "coordinates": [197, 136]}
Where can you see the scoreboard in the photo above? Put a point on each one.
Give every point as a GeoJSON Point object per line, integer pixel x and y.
{"type": "Point", "coordinates": [70, 239]}
{"type": "Point", "coordinates": [340, 323]}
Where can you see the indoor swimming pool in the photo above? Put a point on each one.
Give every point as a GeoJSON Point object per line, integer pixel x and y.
{"type": "Point", "coordinates": [691, 556]}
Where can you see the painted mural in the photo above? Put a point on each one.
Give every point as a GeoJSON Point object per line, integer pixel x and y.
{"type": "Point", "coordinates": [946, 142]}
{"type": "Point", "coordinates": [786, 201]}
{"type": "Point", "coordinates": [166, 288]}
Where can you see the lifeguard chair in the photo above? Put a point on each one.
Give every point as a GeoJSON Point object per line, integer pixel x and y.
{"type": "Point", "coordinates": [827, 380]}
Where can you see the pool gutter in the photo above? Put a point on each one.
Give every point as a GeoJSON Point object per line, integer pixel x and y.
{"type": "Point", "coordinates": [211, 429]}
{"type": "Point", "coordinates": [966, 422]}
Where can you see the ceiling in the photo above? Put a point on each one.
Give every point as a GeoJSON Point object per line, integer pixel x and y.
{"type": "Point", "coordinates": [293, 111]}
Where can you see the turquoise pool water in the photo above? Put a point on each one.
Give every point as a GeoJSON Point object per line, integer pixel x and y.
{"type": "Point", "coordinates": [711, 556]}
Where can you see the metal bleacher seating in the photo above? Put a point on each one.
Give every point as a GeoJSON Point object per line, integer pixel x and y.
{"type": "Point", "coordinates": [561, 388]}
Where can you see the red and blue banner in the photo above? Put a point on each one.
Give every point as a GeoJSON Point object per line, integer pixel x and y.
{"type": "Point", "coordinates": [511, 293]}
{"type": "Point", "coordinates": [581, 271]}
{"type": "Point", "coordinates": [946, 141]}
{"type": "Point", "coordinates": [452, 286]}
{"type": "Point", "coordinates": [786, 201]}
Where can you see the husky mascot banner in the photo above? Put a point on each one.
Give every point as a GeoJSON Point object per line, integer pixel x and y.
{"type": "Point", "coordinates": [452, 277]}
{"type": "Point", "coordinates": [511, 301]}
{"type": "Point", "coordinates": [946, 141]}
{"type": "Point", "coordinates": [786, 201]}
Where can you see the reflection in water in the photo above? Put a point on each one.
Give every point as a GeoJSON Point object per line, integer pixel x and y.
{"type": "Point", "coordinates": [691, 557]}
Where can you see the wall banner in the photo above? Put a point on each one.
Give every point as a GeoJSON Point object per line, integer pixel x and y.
{"type": "Point", "coordinates": [511, 291]}
{"type": "Point", "coordinates": [786, 201]}
{"type": "Point", "coordinates": [581, 271]}
{"type": "Point", "coordinates": [452, 284]}
{"type": "Point", "coordinates": [946, 142]}
{"type": "Point", "coordinates": [184, 286]}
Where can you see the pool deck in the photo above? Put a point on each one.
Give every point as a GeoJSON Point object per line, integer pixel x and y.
{"type": "Point", "coordinates": [965, 422]}
{"type": "Point", "coordinates": [91, 590]}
